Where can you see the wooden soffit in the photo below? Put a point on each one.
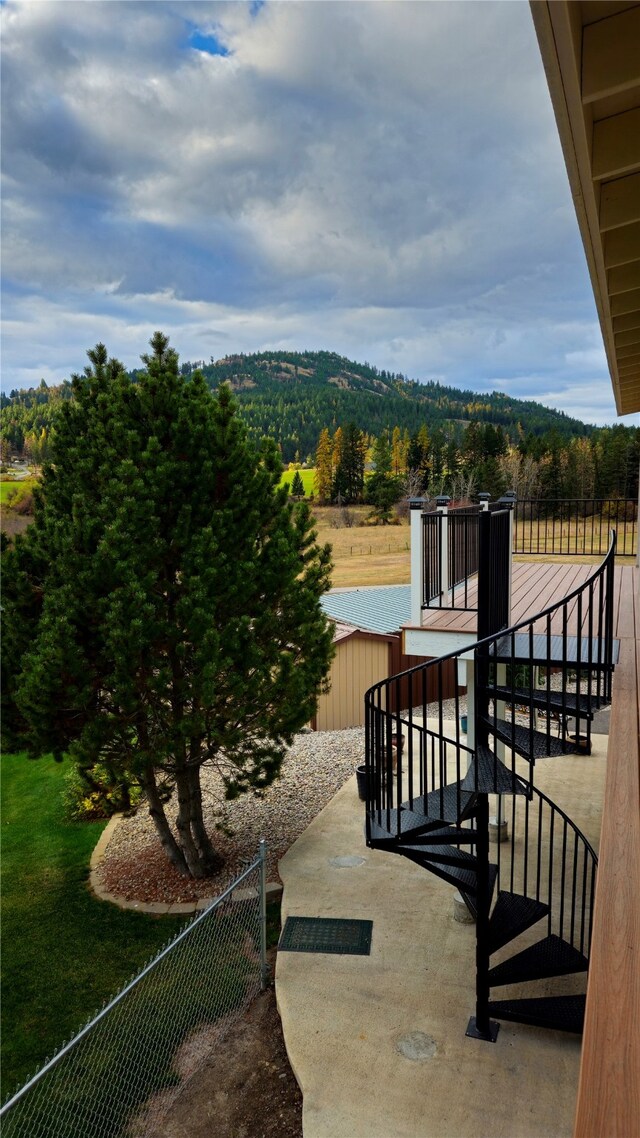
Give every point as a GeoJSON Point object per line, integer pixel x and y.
{"type": "Point", "coordinates": [591, 55]}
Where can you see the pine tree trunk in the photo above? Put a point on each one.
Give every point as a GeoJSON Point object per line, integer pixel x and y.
{"type": "Point", "coordinates": [188, 845]}
{"type": "Point", "coordinates": [156, 810]}
{"type": "Point", "coordinates": [210, 859]}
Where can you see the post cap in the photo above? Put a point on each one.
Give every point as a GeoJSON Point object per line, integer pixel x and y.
{"type": "Point", "coordinates": [483, 496]}
{"type": "Point", "coordinates": [443, 500]}
{"type": "Point", "coordinates": [416, 503]}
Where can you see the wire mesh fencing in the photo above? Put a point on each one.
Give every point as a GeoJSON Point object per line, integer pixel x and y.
{"type": "Point", "coordinates": [119, 1075]}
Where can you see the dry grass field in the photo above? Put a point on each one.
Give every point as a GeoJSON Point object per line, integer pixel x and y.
{"type": "Point", "coordinates": [379, 555]}
{"type": "Point", "coordinates": [364, 554]}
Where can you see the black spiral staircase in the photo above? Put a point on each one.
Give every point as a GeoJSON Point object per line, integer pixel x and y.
{"type": "Point", "coordinates": [429, 800]}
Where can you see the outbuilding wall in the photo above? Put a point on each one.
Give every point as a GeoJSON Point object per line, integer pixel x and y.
{"type": "Point", "coordinates": [361, 660]}
{"type": "Point", "coordinates": [410, 690]}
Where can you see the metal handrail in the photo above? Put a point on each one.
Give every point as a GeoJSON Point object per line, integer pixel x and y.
{"type": "Point", "coordinates": [534, 876]}
{"type": "Point", "coordinates": [446, 762]}
{"type": "Point", "coordinates": [462, 545]}
{"type": "Point", "coordinates": [574, 526]}
{"type": "Point", "coordinates": [445, 778]}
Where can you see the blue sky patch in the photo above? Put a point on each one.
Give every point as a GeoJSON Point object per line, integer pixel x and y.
{"type": "Point", "coordinates": [206, 41]}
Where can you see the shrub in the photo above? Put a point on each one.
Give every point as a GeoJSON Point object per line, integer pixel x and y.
{"type": "Point", "coordinates": [98, 793]}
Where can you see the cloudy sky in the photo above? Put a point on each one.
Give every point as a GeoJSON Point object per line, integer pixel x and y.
{"type": "Point", "coordinates": [380, 179]}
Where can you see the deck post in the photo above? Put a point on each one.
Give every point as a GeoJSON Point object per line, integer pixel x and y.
{"type": "Point", "coordinates": [416, 506]}
{"type": "Point", "coordinates": [510, 496]}
{"type": "Point", "coordinates": [442, 504]}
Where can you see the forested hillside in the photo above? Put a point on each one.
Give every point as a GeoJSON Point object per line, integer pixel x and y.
{"type": "Point", "coordinates": [350, 420]}
{"type": "Point", "coordinates": [292, 396]}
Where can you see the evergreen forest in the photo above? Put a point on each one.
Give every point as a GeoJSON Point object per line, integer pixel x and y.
{"type": "Point", "coordinates": [350, 420]}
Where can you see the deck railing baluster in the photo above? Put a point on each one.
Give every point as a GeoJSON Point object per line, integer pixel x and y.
{"type": "Point", "coordinates": [541, 524]}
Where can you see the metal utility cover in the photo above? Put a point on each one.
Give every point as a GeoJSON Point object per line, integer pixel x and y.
{"type": "Point", "coordinates": [326, 934]}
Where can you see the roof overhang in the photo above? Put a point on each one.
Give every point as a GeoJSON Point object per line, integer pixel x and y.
{"type": "Point", "coordinates": [591, 55]}
{"type": "Point", "coordinates": [347, 631]}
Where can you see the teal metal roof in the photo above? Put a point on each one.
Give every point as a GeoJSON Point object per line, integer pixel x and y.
{"type": "Point", "coordinates": [383, 608]}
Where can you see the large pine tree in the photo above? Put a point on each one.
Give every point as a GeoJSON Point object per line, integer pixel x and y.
{"type": "Point", "coordinates": [163, 610]}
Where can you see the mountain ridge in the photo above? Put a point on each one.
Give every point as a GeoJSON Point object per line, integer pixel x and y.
{"type": "Point", "coordinates": [292, 396]}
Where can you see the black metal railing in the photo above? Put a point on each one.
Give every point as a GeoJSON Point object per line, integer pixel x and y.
{"type": "Point", "coordinates": [548, 859]}
{"type": "Point", "coordinates": [555, 667]}
{"type": "Point", "coordinates": [431, 559]}
{"type": "Point", "coordinates": [575, 526]}
{"type": "Point", "coordinates": [463, 552]}
{"type": "Point", "coordinates": [553, 670]}
{"type": "Point", "coordinates": [537, 686]}
{"type": "Point", "coordinates": [462, 556]}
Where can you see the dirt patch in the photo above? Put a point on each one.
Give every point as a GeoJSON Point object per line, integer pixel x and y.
{"type": "Point", "coordinates": [13, 523]}
{"type": "Point", "coordinates": [243, 1086]}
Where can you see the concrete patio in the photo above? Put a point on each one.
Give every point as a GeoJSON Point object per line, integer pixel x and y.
{"type": "Point", "coordinates": [348, 1019]}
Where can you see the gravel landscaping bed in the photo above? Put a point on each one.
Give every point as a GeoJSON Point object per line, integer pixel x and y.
{"type": "Point", "coordinates": [315, 767]}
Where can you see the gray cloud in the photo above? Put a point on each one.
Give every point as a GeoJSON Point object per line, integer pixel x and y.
{"type": "Point", "coordinates": [383, 179]}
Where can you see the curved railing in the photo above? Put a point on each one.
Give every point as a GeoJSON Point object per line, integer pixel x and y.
{"type": "Point", "coordinates": [547, 858]}
{"type": "Point", "coordinates": [422, 773]}
{"type": "Point", "coordinates": [408, 751]}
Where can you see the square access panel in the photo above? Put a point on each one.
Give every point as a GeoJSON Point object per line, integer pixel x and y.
{"type": "Point", "coordinates": [326, 934]}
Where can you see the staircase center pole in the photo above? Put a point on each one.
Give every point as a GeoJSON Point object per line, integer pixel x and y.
{"type": "Point", "coordinates": [482, 928]}
{"type": "Point", "coordinates": [480, 1025]}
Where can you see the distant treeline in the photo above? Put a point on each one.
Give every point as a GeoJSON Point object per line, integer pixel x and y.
{"type": "Point", "coordinates": [602, 465]}
{"type": "Point", "coordinates": [440, 439]}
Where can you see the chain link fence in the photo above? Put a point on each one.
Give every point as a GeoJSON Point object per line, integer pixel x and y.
{"type": "Point", "coordinates": [122, 1071]}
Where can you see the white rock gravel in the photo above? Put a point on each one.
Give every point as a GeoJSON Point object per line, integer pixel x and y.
{"type": "Point", "coordinates": [315, 767]}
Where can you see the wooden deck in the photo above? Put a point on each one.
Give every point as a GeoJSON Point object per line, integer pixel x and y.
{"type": "Point", "coordinates": [534, 587]}
{"type": "Point", "coordinates": [609, 1089]}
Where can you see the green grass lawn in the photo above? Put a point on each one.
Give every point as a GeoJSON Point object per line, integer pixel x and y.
{"type": "Point", "coordinates": [11, 492]}
{"type": "Point", "coordinates": [307, 476]}
{"type": "Point", "coordinates": [63, 951]}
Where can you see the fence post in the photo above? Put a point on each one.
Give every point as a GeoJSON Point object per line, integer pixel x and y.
{"type": "Point", "coordinates": [265, 977]}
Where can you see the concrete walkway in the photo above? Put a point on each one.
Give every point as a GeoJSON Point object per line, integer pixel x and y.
{"type": "Point", "coordinates": [349, 1021]}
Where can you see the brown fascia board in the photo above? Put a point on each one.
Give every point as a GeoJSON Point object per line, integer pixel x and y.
{"type": "Point", "coordinates": [559, 43]}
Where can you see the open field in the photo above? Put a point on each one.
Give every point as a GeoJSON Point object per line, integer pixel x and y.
{"type": "Point", "coordinates": [307, 476]}
{"type": "Point", "coordinates": [12, 491]}
{"type": "Point", "coordinates": [64, 952]}
{"type": "Point", "coordinates": [364, 555]}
